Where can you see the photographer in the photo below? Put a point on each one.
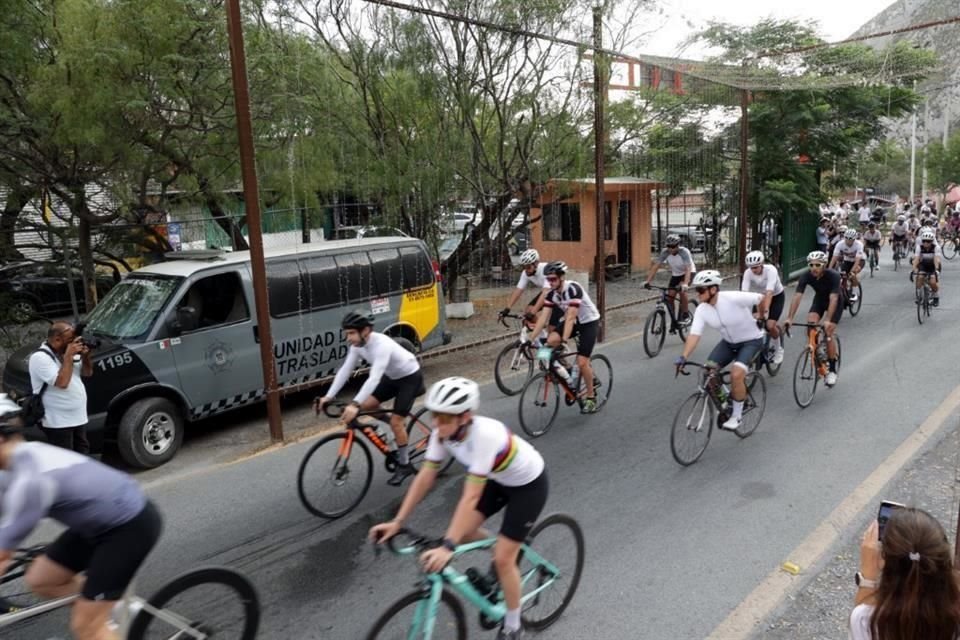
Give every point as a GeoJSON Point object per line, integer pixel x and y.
{"type": "Point", "coordinates": [55, 364]}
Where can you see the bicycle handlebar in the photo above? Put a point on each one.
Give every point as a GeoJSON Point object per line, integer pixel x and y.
{"type": "Point", "coordinates": [334, 409]}
{"type": "Point", "coordinates": [502, 317]}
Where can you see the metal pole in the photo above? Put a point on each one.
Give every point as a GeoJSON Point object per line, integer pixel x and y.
{"type": "Point", "coordinates": [913, 151]}
{"type": "Point", "coordinates": [946, 121]}
{"type": "Point", "coordinates": [599, 90]}
{"type": "Point", "coordinates": [251, 196]}
{"type": "Point", "coordinates": [659, 225]}
{"type": "Point", "coordinates": [926, 141]}
{"type": "Point", "coordinates": [744, 176]}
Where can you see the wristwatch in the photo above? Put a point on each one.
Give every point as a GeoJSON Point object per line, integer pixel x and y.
{"type": "Point", "coordinates": [866, 583]}
{"type": "Point", "coordinates": [449, 544]}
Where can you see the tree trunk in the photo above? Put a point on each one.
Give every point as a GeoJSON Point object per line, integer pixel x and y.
{"type": "Point", "coordinates": [17, 199]}
{"type": "Point", "coordinates": [229, 225]}
{"type": "Point", "coordinates": [87, 271]}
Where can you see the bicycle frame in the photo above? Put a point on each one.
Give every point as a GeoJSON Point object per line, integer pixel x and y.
{"type": "Point", "coordinates": [369, 431]}
{"type": "Point", "coordinates": [552, 377]}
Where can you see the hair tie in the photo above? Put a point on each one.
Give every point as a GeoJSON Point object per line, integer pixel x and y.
{"type": "Point", "coordinates": [915, 556]}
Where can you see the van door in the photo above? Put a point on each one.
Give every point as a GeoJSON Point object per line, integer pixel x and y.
{"type": "Point", "coordinates": [217, 355]}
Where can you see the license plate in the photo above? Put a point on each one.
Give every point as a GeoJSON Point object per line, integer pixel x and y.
{"type": "Point", "coordinates": [544, 353]}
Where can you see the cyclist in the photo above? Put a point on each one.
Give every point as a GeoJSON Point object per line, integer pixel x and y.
{"type": "Point", "coordinates": [826, 304]}
{"type": "Point", "coordinates": [532, 274]}
{"type": "Point", "coordinates": [765, 279]}
{"type": "Point", "coordinates": [682, 269]}
{"type": "Point", "coordinates": [899, 235]}
{"type": "Point", "coordinates": [927, 263]}
{"type": "Point", "coordinates": [394, 374]}
{"type": "Point", "coordinates": [579, 318]}
{"type": "Point", "coordinates": [925, 227]}
{"type": "Point", "coordinates": [111, 524]}
{"type": "Point", "coordinates": [953, 222]}
{"type": "Point", "coordinates": [914, 224]}
{"type": "Point", "coordinates": [836, 237]}
{"type": "Point", "coordinates": [730, 313]}
{"type": "Point", "coordinates": [850, 256]}
{"type": "Point", "coordinates": [503, 471]}
{"type": "Point", "coordinates": [873, 240]}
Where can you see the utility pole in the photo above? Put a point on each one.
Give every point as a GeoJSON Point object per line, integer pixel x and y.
{"type": "Point", "coordinates": [913, 151]}
{"type": "Point", "coordinates": [599, 93]}
{"type": "Point", "coordinates": [946, 121]}
{"type": "Point", "coordinates": [744, 176]}
{"type": "Point", "coordinates": [926, 141]}
{"type": "Point", "coordinates": [251, 197]}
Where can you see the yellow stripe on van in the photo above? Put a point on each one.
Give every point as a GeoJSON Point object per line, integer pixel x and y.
{"type": "Point", "coordinates": [421, 309]}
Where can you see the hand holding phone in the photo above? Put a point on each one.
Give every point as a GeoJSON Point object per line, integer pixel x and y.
{"type": "Point", "coordinates": [883, 515]}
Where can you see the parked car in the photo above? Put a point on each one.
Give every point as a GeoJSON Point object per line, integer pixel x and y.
{"type": "Point", "coordinates": [690, 237]}
{"type": "Point", "coordinates": [42, 289]}
{"type": "Point", "coordinates": [369, 231]}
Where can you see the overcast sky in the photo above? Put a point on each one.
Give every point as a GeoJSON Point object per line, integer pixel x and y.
{"type": "Point", "coordinates": [837, 18]}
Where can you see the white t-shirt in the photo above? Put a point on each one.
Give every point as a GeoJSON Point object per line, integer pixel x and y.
{"type": "Point", "coordinates": [900, 229]}
{"type": "Point", "coordinates": [732, 316]}
{"type": "Point", "coordinates": [386, 358]}
{"type": "Point", "coordinates": [62, 407]}
{"type": "Point", "coordinates": [848, 252]}
{"type": "Point", "coordinates": [538, 279]}
{"type": "Point", "coordinates": [860, 622]}
{"type": "Point", "coordinates": [490, 451]}
{"type": "Point", "coordinates": [768, 280]}
{"type": "Point", "coordinates": [864, 214]}
{"type": "Point", "coordinates": [872, 236]}
{"type": "Point", "coordinates": [679, 262]}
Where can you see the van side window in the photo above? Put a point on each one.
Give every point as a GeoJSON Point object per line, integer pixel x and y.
{"type": "Point", "coordinates": [417, 271]}
{"type": "Point", "coordinates": [323, 282]}
{"type": "Point", "coordinates": [285, 288]}
{"type": "Point", "coordinates": [216, 300]}
{"type": "Point", "coordinates": [355, 280]}
{"type": "Point", "coordinates": [387, 271]}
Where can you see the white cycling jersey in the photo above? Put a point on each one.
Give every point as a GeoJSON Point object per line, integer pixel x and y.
{"type": "Point", "coordinates": [913, 224]}
{"type": "Point", "coordinates": [768, 280]}
{"type": "Point", "coordinates": [490, 451]}
{"type": "Point", "coordinates": [936, 247]}
{"type": "Point", "coordinates": [849, 252]}
{"type": "Point", "coordinates": [872, 236]}
{"type": "Point", "coordinates": [900, 230]}
{"type": "Point", "coordinates": [732, 316]}
{"type": "Point", "coordinates": [538, 279]}
{"type": "Point", "coordinates": [386, 358]}
{"type": "Point", "coordinates": [573, 295]}
{"type": "Point", "coordinates": [679, 262]}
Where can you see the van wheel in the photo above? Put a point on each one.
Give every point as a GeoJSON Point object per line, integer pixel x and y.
{"type": "Point", "coordinates": [150, 432]}
{"type": "Point", "coordinates": [406, 344]}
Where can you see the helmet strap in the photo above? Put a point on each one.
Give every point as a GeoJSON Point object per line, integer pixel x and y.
{"type": "Point", "coordinates": [461, 431]}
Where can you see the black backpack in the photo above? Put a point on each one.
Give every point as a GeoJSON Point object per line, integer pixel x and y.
{"type": "Point", "coordinates": [32, 404]}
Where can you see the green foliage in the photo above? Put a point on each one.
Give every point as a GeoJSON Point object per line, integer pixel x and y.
{"type": "Point", "coordinates": [943, 162]}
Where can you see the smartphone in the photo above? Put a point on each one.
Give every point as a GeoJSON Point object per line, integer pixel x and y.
{"type": "Point", "coordinates": [886, 508]}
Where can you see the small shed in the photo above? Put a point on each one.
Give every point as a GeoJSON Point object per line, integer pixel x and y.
{"type": "Point", "coordinates": [565, 221]}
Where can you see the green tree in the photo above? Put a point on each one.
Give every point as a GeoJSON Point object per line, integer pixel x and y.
{"type": "Point", "coordinates": [943, 162]}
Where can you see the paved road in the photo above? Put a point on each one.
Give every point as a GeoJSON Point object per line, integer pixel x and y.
{"type": "Point", "coordinates": [670, 551]}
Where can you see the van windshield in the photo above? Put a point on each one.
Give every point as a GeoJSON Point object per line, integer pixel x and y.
{"type": "Point", "coordinates": [132, 307]}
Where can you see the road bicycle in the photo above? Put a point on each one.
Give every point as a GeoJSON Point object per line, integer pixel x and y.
{"type": "Point", "coordinates": [899, 252]}
{"type": "Point", "coordinates": [211, 602]}
{"type": "Point", "coordinates": [540, 398]}
{"type": "Point", "coordinates": [812, 363]}
{"type": "Point", "coordinates": [923, 295]}
{"type": "Point", "coordinates": [948, 244]}
{"type": "Point", "coordinates": [873, 258]}
{"type": "Point", "coordinates": [432, 610]}
{"type": "Point", "coordinates": [846, 295]}
{"type": "Point", "coordinates": [514, 365]}
{"type": "Point", "coordinates": [709, 404]}
{"type": "Point", "coordinates": [767, 354]}
{"type": "Point", "coordinates": [655, 329]}
{"type": "Point", "coordinates": [336, 472]}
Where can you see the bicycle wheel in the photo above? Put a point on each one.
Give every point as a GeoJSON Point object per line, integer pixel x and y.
{"type": "Point", "coordinates": [557, 539]}
{"type": "Point", "coordinates": [654, 332]}
{"type": "Point", "coordinates": [772, 369]}
{"type": "Point", "coordinates": [854, 306]}
{"type": "Point", "coordinates": [602, 379]}
{"type": "Point", "coordinates": [926, 301]}
{"type": "Point", "coordinates": [682, 328]}
{"type": "Point", "coordinates": [921, 294]}
{"type": "Point", "coordinates": [215, 601]}
{"type": "Point", "coordinates": [513, 368]}
{"type": "Point", "coordinates": [418, 434]}
{"type": "Point", "coordinates": [15, 593]}
{"type": "Point", "coordinates": [949, 248]}
{"type": "Point", "coordinates": [805, 378]}
{"type": "Point", "coordinates": [896, 259]}
{"type": "Point", "coordinates": [753, 405]}
{"type": "Point", "coordinates": [873, 262]}
{"type": "Point", "coordinates": [691, 430]}
{"type": "Point", "coordinates": [331, 482]}
{"type": "Point", "coordinates": [402, 620]}
{"type": "Point", "coordinates": [539, 403]}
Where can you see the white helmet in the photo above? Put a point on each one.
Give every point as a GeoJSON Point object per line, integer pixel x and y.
{"type": "Point", "coordinates": [707, 278]}
{"type": "Point", "coordinates": [928, 234]}
{"type": "Point", "coordinates": [901, 218]}
{"type": "Point", "coordinates": [850, 234]}
{"type": "Point", "coordinates": [842, 228]}
{"type": "Point", "coordinates": [816, 256]}
{"type": "Point", "coordinates": [673, 240]}
{"type": "Point", "coordinates": [925, 209]}
{"type": "Point", "coordinates": [530, 256]}
{"type": "Point", "coordinates": [453, 395]}
{"type": "Point", "coordinates": [754, 258]}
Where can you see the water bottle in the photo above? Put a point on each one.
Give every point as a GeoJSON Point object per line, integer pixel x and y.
{"type": "Point", "coordinates": [575, 376]}
{"type": "Point", "coordinates": [386, 435]}
{"type": "Point", "coordinates": [561, 370]}
{"type": "Point", "coordinates": [723, 394]}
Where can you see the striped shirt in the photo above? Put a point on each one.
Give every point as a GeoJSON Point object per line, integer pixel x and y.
{"type": "Point", "coordinates": [490, 451]}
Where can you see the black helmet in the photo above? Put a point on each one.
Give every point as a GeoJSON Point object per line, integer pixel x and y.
{"type": "Point", "coordinates": [356, 320]}
{"type": "Point", "coordinates": [558, 267]}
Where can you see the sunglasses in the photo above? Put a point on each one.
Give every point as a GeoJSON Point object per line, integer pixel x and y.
{"type": "Point", "coordinates": [700, 290]}
{"type": "Point", "coordinates": [815, 265]}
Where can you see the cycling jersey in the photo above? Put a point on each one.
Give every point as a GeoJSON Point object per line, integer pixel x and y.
{"type": "Point", "coordinates": [732, 316]}
{"type": "Point", "coordinates": [87, 496]}
{"type": "Point", "coordinates": [913, 224]}
{"type": "Point", "coordinates": [826, 284]}
{"type": "Point", "coordinates": [538, 279]}
{"type": "Point", "coordinates": [571, 294]}
{"type": "Point", "coordinates": [849, 252]}
{"type": "Point", "coordinates": [872, 237]}
{"type": "Point", "coordinates": [899, 230]}
{"type": "Point", "coordinates": [954, 224]}
{"type": "Point", "coordinates": [679, 262]}
{"type": "Point", "coordinates": [386, 358]}
{"type": "Point", "coordinates": [936, 243]}
{"type": "Point", "coordinates": [927, 256]}
{"type": "Point", "coordinates": [768, 280]}
{"type": "Point", "coordinates": [489, 451]}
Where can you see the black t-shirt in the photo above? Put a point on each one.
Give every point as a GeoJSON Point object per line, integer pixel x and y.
{"type": "Point", "coordinates": [823, 286]}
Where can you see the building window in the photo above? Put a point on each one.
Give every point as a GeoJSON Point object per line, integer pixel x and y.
{"type": "Point", "coordinates": [561, 222]}
{"type": "Point", "coordinates": [607, 220]}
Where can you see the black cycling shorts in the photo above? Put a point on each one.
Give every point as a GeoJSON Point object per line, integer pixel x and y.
{"type": "Point", "coordinates": [586, 335]}
{"type": "Point", "coordinates": [776, 305]}
{"type": "Point", "coordinates": [846, 266]}
{"type": "Point", "coordinates": [403, 391]}
{"type": "Point", "coordinates": [534, 299]}
{"type": "Point", "coordinates": [821, 304]}
{"type": "Point", "coordinates": [928, 269]}
{"type": "Point", "coordinates": [675, 281]}
{"type": "Point", "coordinates": [743, 352]}
{"type": "Point", "coordinates": [524, 505]}
{"type": "Point", "coordinates": [112, 558]}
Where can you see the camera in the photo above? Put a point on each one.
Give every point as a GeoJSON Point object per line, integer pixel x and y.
{"type": "Point", "coordinates": [91, 342]}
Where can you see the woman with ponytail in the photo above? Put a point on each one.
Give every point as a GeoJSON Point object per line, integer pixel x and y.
{"type": "Point", "coordinates": [907, 585]}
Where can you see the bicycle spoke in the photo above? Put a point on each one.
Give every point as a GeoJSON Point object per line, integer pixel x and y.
{"type": "Point", "coordinates": [333, 478]}
{"type": "Point", "coordinates": [559, 542]}
{"type": "Point", "coordinates": [691, 429]}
